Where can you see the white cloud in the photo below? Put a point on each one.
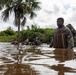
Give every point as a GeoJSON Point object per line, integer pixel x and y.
{"type": "Point", "coordinates": [50, 11]}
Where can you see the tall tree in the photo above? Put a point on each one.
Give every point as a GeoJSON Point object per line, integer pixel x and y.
{"type": "Point", "coordinates": [21, 8]}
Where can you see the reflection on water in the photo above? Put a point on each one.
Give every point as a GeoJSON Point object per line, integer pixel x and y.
{"type": "Point", "coordinates": [61, 69]}
{"type": "Point", "coordinates": [64, 54]}
{"type": "Point", "coordinates": [16, 69]}
{"type": "Point", "coordinates": [36, 60]}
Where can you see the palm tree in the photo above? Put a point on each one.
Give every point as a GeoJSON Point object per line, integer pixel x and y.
{"type": "Point", "coordinates": [21, 8]}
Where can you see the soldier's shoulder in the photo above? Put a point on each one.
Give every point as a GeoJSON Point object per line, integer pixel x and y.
{"type": "Point", "coordinates": [66, 28]}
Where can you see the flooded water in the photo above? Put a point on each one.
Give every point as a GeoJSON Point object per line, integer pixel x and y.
{"type": "Point", "coordinates": [36, 60]}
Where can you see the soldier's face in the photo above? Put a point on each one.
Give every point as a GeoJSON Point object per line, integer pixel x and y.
{"type": "Point", "coordinates": [59, 23]}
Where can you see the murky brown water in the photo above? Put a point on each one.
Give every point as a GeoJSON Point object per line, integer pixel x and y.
{"type": "Point", "coordinates": [36, 60]}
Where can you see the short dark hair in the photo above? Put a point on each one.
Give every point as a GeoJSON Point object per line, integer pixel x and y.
{"type": "Point", "coordinates": [60, 18]}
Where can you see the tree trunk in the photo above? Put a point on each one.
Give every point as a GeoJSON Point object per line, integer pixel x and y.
{"type": "Point", "coordinates": [18, 28]}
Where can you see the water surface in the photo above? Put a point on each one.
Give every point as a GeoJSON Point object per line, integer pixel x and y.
{"type": "Point", "coordinates": [36, 60]}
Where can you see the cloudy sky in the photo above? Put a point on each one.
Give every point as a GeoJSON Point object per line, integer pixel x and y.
{"type": "Point", "coordinates": [46, 17]}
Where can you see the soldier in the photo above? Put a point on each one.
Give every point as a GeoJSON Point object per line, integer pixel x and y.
{"type": "Point", "coordinates": [37, 41]}
{"type": "Point", "coordinates": [72, 29]}
{"type": "Point", "coordinates": [15, 42]}
{"type": "Point", "coordinates": [63, 37]}
{"type": "Point", "coordinates": [73, 32]}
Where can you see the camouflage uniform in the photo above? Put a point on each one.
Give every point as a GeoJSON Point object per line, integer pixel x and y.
{"type": "Point", "coordinates": [73, 32]}
{"type": "Point", "coordinates": [62, 38]}
{"type": "Point", "coordinates": [72, 29]}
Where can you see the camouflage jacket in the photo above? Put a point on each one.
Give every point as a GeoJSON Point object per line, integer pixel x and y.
{"type": "Point", "coordinates": [63, 38]}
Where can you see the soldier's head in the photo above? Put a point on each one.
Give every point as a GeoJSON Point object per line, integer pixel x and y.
{"type": "Point", "coordinates": [60, 22]}
{"type": "Point", "coordinates": [69, 26]}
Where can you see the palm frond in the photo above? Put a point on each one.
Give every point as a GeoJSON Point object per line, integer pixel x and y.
{"type": "Point", "coordinates": [23, 22]}
{"type": "Point", "coordinates": [24, 7]}
{"type": "Point", "coordinates": [35, 5]}
{"type": "Point", "coordinates": [32, 15]}
{"type": "Point", "coordinates": [28, 10]}
{"type": "Point", "coordinates": [5, 14]}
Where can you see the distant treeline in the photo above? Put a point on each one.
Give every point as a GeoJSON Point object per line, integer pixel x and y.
{"type": "Point", "coordinates": [45, 35]}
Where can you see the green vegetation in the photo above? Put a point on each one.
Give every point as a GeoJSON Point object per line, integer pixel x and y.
{"type": "Point", "coordinates": [45, 34]}
{"type": "Point", "coordinates": [7, 35]}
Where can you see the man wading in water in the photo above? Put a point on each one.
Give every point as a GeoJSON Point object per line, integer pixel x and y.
{"type": "Point", "coordinates": [63, 37]}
